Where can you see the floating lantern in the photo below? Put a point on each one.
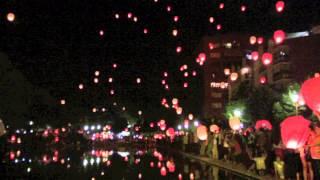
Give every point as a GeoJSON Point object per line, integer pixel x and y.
{"type": "Point", "coordinates": [62, 101]}
{"type": "Point", "coordinates": [255, 55]}
{"type": "Point", "coordinates": [185, 85]}
{"type": "Point", "coordinates": [202, 56]}
{"type": "Point", "coordinates": [176, 18]}
{"type": "Point", "coordinates": [202, 132]}
{"type": "Point", "coordinates": [280, 6]}
{"type": "Point", "coordinates": [234, 123]}
{"type": "Point", "coordinates": [175, 32]}
{"type": "Point", "coordinates": [211, 19]}
{"type": "Point", "coordinates": [145, 31]}
{"type": "Point", "coordinates": [263, 79]}
{"type": "Point", "coordinates": [279, 36]}
{"type": "Point", "coordinates": [260, 40]}
{"type": "Point", "coordinates": [310, 91]}
{"type": "Point", "coordinates": [11, 17]}
{"type": "Point", "coordinates": [243, 8]}
{"type": "Point", "coordinates": [117, 16]}
{"type": "Point", "coordinates": [152, 125]}
{"type": "Point", "coordinates": [219, 27]}
{"type": "Point", "coordinates": [179, 110]}
{"type": "Point", "coordinates": [221, 6]}
{"type": "Point", "coordinates": [190, 117]}
{"type": "Point", "coordinates": [267, 58]}
{"type": "Point", "coordinates": [170, 132]}
{"type": "Point", "coordinates": [263, 124]}
{"type": "Point", "coordinates": [245, 70]}
{"type": "Point", "coordinates": [295, 131]}
{"type": "Point", "coordinates": [253, 40]}
{"type": "Point", "coordinates": [214, 128]}
{"type": "Point", "coordinates": [151, 164]}
{"type": "Point", "coordinates": [129, 15]}
{"type": "Point", "coordinates": [138, 80]}
{"type": "Point", "coordinates": [80, 86]}
{"type": "Point", "coordinates": [234, 76]}
{"type": "Point", "coordinates": [178, 49]}
{"type": "Point", "coordinates": [135, 19]}
{"type": "Point", "coordinates": [169, 8]}
{"type": "Point", "coordinates": [101, 32]}
{"type": "Point", "coordinates": [163, 171]}
{"type": "Point", "coordinates": [175, 101]}
{"type": "Point", "coordinates": [96, 80]}
{"type": "Point", "coordinates": [227, 71]}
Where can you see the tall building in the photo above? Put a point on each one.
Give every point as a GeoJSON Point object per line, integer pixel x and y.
{"type": "Point", "coordinates": [225, 54]}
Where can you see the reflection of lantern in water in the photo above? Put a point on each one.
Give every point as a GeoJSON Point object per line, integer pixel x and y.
{"type": "Point", "coordinates": [202, 133]}
{"type": "Point", "coordinates": [163, 171]}
{"type": "Point", "coordinates": [310, 91]}
{"type": "Point", "coordinates": [266, 58]}
{"type": "Point", "coordinates": [279, 36]}
{"type": "Point", "coordinates": [234, 123]}
{"type": "Point", "coordinates": [295, 131]}
{"type": "Point", "coordinates": [280, 6]}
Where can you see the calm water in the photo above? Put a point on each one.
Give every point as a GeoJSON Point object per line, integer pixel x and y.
{"type": "Point", "coordinates": [92, 162]}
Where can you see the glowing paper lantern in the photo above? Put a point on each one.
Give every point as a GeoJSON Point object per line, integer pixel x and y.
{"type": "Point", "coordinates": [176, 18]}
{"type": "Point", "coordinates": [170, 132]}
{"type": "Point", "coordinates": [267, 58]}
{"type": "Point", "coordinates": [178, 49]}
{"type": "Point", "coordinates": [190, 116]}
{"type": "Point", "coordinates": [234, 76]}
{"type": "Point", "coordinates": [243, 8]}
{"type": "Point", "coordinates": [96, 80]}
{"type": "Point", "coordinates": [253, 40]}
{"type": "Point", "coordinates": [175, 101]}
{"type": "Point", "coordinates": [211, 19]}
{"type": "Point", "coordinates": [202, 132]}
{"type": "Point", "coordinates": [80, 86]}
{"type": "Point", "coordinates": [169, 8]}
{"type": "Point", "coordinates": [117, 16]}
{"type": "Point", "coordinates": [214, 128]}
{"type": "Point", "coordinates": [151, 124]}
{"type": "Point", "coordinates": [145, 31]}
{"type": "Point", "coordinates": [101, 32]}
{"type": "Point", "coordinates": [227, 71]}
{"type": "Point", "coordinates": [279, 36]}
{"type": "Point", "coordinates": [263, 124]}
{"type": "Point", "coordinates": [202, 56]}
{"type": "Point", "coordinates": [129, 15]}
{"type": "Point", "coordinates": [175, 32]}
{"type": "Point", "coordinates": [295, 131]}
{"type": "Point", "coordinates": [263, 80]}
{"type": "Point", "coordinates": [260, 40]}
{"type": "Point", "coordinates": [221, 5]}
{"type": "Point", "coordinates": [219, 27]}
{"type": "Point", "coordinates": [11, 17]}
{"type": "Point", "coordinates": [211, 46]}
{"type": "Point", "coordinates": [62, 101]}
{"type": "Point", "coordinates": [280, 6]}
{"type": "Point", "coordinates": [138, 80]}
{"type": "Point", "coordinates": [255, 55]}
{"type": "Point", "coordinates": [310, 91]}
{"type": "Point", "coordinates": [234, 123]}
{"type": "Point", "coordinates": [163, 171]}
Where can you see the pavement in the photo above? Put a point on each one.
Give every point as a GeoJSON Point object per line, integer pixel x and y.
{"type": "Point", "coordinates": [236, 169]}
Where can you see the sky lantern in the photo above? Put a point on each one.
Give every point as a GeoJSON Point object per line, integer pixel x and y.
{"type": "Point", "coordinates": [111, 92]}
{"type": "Point", "coordinates": [227, 71]}
{"type": "Point", "coordinates": [211, 45]}
{"type": "Point", "coordinates": [260, 40]}
{"type": "Point", "coordinates": [263, 79]}
{"type": "Point", "coordinates": [114, 65]}
{"type": "Point", "coordinates": [266, 58]}
{"type": "Point", "coordinates": [138, 80]}
{"type": "Point", "coordinates": [295, 131]}
{"type": "Point", "coordinates": [170, 132]}
{"type": "Point", "coordinates": [180, 176]}
{"type": "Point", "coordinates": [110, 79]}
{"type": "Point", "coordinates": [129, 15]}
{"type": "Point", "coordinates": [202, 56]}
{"type": "Point", "coordinates": [163, 171]}
{"type": "Point", "coordinates": [97, 73]}
{"type": "Point", "coordinates": [214, 128]}
{"type": "Point", "coordinates": [175, 101]}
{"type": "Point", "coordinates": [81, 86]}
{"type": "Point", "coordinates": [62, 101]}
{"type": "Point", "coordinates": [185, 85]}
{"type": "Point", "coordinates": [163, 82]}
{"type": "Point", "coordinates": [263, 124]}
{"type": "Point", "coordinates": [166, 87]}
{"type": "Point", "coordinates": [101, 32]}
{"type": "Point", "coordinates": [310, 91]}
{"type": "Point", "coordinates": [194, 73]}
{"type": "Point", "coordinates": [171, 166]}
{"type": "Point", "coordinates": [139, 175]}
{"type": "Point", "coordinates": [176, 18]}
{"type": "Point", "coordinates": [145, 31]}
{"type": "Point", "coordinates": [186, 74]}
{"type": "Point", "coordinates": [190, 116]}
{"type": "Point", "coordinates": [151, 125]}
{"type": "Point", "coordinates": [135, 19]}
{"type": "Point", "coordinates": [280, 6]}
{"type": "Point", "coordinates": [211, 19]}
{"type": "Point", "coordinates": [221, 6]}
{"type": "Point", "coordinates": [202, 132]}
{"type": "Point", "coordinates": [243, 8]}
{"type": "Point", "coordinates": [179, 110]}
{"type": "Point", "coordinates": [235, 123]}
{"type": "Point", "coordinates": [169, 8]}
{"type": "Point", "coordinates": [11, 17]}
{"type": "Point", "coordinates": [175, 32]}
{"type": "Point", "coordinates": [152, 164]}
{"type": "Point", "coordinates": [255, 55]}
{"type": "Point", "coordinates": [165, 74]}
{"type": "Point", "coordinates": [96, 80]}
{"type": "Point", "coordinates": [279, 36]}
{"type": "Point", "coordinates": [219, 27]}
{"type": "Point", "coordinates": [253, 40]}
{"type": "Point", "coordinates": [178, 49]}
{"type": "Point", "coordinates": [245, 70]}
{"type": "Point", "coordinates": [117, 16]}
{"type": "Point", "coordinates": [234, 76]}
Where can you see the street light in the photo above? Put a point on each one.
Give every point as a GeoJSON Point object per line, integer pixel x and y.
{"type": "Point", "coordinates": [237, 112]}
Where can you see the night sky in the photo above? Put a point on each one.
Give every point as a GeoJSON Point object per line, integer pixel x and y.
{"type": "Point", "coordinates": [57, 46]}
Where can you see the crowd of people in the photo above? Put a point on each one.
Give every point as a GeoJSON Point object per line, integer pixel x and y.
{"type": "Point", "coordinates": [261, 151]}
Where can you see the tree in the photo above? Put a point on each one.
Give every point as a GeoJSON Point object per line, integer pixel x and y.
{"type": "Point", "coordinates": [238, 108]}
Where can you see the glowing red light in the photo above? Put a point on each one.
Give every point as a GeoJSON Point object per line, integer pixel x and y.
{"type": "Point", "coordinates": [219, 27]}
{"type": "Point", "coordinates": [280, 6]}
{"type": "Point", "coordinates": [279, 36]}
{"type": "Point", "coordinates": [267, 58]}
{"type": "Point", "coordinates": [263, 79]}
{"type": "Point", "coordinates": [255, 55]}
{"type": "Point", "coordinates": [243, 8]}
{"type": "Point", "coordinates": [260, 40]}
{"type": "Point", "coordinates": [211, 19]}
{"type": "Point", "coordinates": [176, 18]}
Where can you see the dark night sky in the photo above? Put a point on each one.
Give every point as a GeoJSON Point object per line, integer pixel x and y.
{"type": "Point", "coordinates": [56, 44]}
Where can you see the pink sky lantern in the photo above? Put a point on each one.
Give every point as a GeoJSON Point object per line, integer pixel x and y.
{"type": "Point", "coordinates": [260, 40]}
{"type": "Point", "coordinates": [170, 132]}
{"type": "Point", "coordinates": [174, 32]}
{"type": "Point", "coordinates": [202, 56]}
{"type": "Point", "coordinates": [176, 18]}
{"type": "Point", "coordinates": [171, 166]}
{"type": "Point", "coordinates": [267, 58]}
{"type": "Point", "coordinates": [234, 123]}
{"type": "Point", "coordinates": [279, 36]}
{"type": "Point", "coordinates": [151, 125]}
{"type": "Point", "coordinates": [145, 31]}
{"type": "Point", "coordinates": [255, 55]}
{"type": "Point", "coordinates": [280, 6]}
{"type": "Point", "coordinates": [169, 8]}
{"type": "Point", "coordinates": [219, 27]}
{"type": "Point", "coordinates": [310, 92]}
{"type": "Point", "coordinates": [178, 49]}
{"type": "Point", "coordinates": [221, 5]}
{"type": "Point", "coordinates": [263, 124]}
{"type": "Point", "coordinates": [263, 79]}
{"type": "Point", "coordinates": [163, 127]}
{"type": "Point", "coordinates": [163, 171]}
{"type": "Point", "coordinates": [243, 8]}
{"type": "Point", "coordinates": [295, 131]}
{"type": "Point", "coordinates": [211, 19]}
{"type": "Point", "coordinates": [202, 132]}
{"type": "Point", "coordinates": [175, 101]}
{"type": "Point", "coordinates": [214, 128]}
{"type": "Point", "coordinates": [179, 110]}
{"type": "Point", "coordinates": [211, 45]}
{"type": "Point", "coordinates": [234, 76]}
